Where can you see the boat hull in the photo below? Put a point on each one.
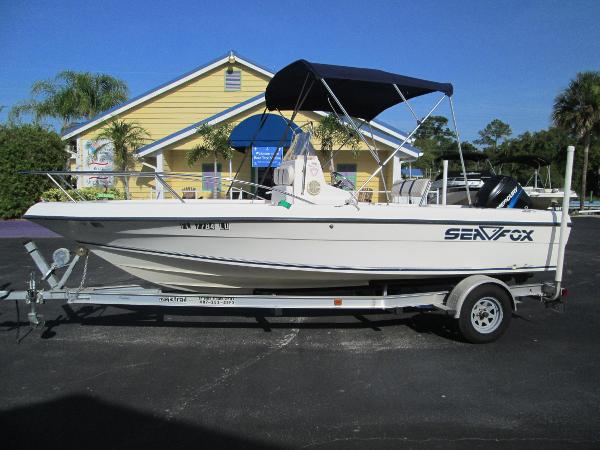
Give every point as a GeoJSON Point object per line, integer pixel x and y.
{"type": "Point", "coordinates": [546, 198]}
{"type": "Point", "coordinates": [201, 247]}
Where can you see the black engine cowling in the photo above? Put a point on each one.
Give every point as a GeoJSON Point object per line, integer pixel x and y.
{"type": "Point", "coordinates": [501, 191]}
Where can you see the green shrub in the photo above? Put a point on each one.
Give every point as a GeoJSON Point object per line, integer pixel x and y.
{"type": "Point", "coordinates": [89, 193]}
{"type": "Point", "coordinates": [26, 147]}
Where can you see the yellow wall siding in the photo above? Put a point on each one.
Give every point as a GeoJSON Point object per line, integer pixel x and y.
{"type": "Point", "coordinates": [205, 96]}
{"type": "Point", "coordinates": [190, 102]}
{"type": "Point", "coordinates": [175, 157]}
{"type": "Point", "coordinates": [178, 163]}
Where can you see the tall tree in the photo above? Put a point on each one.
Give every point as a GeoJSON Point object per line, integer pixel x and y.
{"type": "Point", "coordinates": [72, 96]}
{"type": "Point", "coordinates": [493, 135]}
{"type": "Point", "coordinates": [433, 138]}
{"type": "Point", "coordinates": [215, 143]}
{"type": "Point", "coordinates": [549, 144]}
{"type": "Point", "coordinates": [577, 110]}
{"type": "Point", "coordinates": [435, 127]}
{"type": "Point", "coordinates": [125, 137]}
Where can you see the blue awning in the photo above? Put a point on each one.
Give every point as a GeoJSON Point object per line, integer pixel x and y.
{"type": "Point", "coordinates": [269, 134]}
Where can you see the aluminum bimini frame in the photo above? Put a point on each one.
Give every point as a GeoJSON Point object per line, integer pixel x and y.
{"type": "Point", "coordinates": [304, 82]}
{"type": "Point", "coordinates": [419, 122]}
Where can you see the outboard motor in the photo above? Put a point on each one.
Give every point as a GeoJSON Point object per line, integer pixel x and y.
{"type": "Point", "coordinates": [501, 191]}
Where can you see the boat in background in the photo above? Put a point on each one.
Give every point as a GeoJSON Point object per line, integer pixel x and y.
{"type": "Point", "coordinates": [544, 196]}
{"type": "Point", "coordinates": [456, 190]}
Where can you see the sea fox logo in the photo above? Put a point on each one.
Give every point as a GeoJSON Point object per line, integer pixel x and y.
{"type": "Point", "coordinates": [483, 233]}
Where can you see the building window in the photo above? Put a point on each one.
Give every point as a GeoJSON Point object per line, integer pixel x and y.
{"type": "Point", "coordinates": [349, 171]}
{"type": "Point", "coordinates": [233, 80]}
{"type": "Point", "coordinates": [208, 184]}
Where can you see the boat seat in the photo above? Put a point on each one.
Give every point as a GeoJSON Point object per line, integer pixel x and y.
{"type": "Point", "coordinates": [411, 191]}
{"type": "Point", "coordinates": [284, 175]}
{"type": "Point", "coordinates": [188, 193]}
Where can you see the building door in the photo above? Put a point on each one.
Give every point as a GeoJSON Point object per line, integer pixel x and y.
{"type": "Point", "coordinates": [257, 175]}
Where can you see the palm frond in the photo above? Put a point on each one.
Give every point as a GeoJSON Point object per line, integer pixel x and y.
{"type": "Point", "coordinates": [577, 108]}
{"type": "Point", "coordinates": [331, 132]}
{"type": "Point", "coordinates": [72, 96]}
{"type": "Point", "coordinates": [126, 137]}
{"type": "Point", "coordinates": [197, 153]}
{"type": "Point", "coordinates": [215, 143]}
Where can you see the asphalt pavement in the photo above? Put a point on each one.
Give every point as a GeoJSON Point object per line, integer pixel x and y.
{"type": "Point", "coordinates": [102, 377]}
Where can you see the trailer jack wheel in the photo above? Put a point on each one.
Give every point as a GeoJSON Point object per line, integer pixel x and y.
{"type": "Point", "coordinates": [33, 297]}
{"type": "Point", "coordinates": [485, 314]}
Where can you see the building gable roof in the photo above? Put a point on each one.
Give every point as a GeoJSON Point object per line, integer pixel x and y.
{"type": "Point", "coordinates": [382, 132]}
{"type": "Point", "coordinates": [191, 129]}
{"type": "Point", "coordinates": [381, 136]}
{"type": "Point", "coordinates": [106, 115]}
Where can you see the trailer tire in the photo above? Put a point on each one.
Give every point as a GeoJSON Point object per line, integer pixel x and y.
{"type": "Point", "coordinates": [485, 314]}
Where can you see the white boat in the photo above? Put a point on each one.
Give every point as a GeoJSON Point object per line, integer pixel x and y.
{"type": "Point", "coordinates": [544, 196]}
{"type": "Point", "coordinates": [456, 192]}
{"type": "Point", "coordinates": [242, 245]}
{"type": "Point", "coordinates": [310, 234]}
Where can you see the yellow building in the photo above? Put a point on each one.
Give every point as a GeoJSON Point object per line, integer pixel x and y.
{"type": "Point", "coordinates": [226, 90]}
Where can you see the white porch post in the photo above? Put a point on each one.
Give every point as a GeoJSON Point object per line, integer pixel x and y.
{"type": "Point", "coordinates": [79, 163]}
{"type": "Point", "coordinates": [396, 169]}
{"type": "Point", "coordinates": [230, 176]}
{"type": "Point", "coordinates": [159, 168]}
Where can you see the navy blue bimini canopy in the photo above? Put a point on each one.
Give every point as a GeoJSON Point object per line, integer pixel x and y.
{"type": "Point", "coordinates": [247, 132]}
{"type": "Point", "coordinates": [364, 93]}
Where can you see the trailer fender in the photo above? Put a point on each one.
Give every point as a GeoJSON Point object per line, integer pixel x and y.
{"type": "Point", "coordinates": [465, 287]}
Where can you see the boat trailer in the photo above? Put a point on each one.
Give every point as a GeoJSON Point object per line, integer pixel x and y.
{"type": "Point", "coordinates": [134, 295]}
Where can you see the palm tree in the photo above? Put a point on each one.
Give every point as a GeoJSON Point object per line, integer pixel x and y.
{"type": "Point", "coordinates": [577, 110]}
{"type": "Point", "coordinates": [332, 132]}
{"type": "Point", "coordinates": [125, 137]}
{"type": "Point", "coordinates": [72, 96]}
{"type": "Point", "coordinates": [215, 143]}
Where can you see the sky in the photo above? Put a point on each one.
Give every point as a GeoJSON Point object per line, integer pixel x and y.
{"type": "Point", "coordinates": [506, 59]}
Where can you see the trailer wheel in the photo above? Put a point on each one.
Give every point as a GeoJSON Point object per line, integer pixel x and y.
{"type": "Point", "coordinates": [485, 314]}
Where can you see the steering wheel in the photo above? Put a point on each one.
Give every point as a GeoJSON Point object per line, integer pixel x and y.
{"type": "Point", "coordinates": [340, 181]}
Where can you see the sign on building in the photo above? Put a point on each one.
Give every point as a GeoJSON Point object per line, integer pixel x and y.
{"type": "Point", "coordinates": [97, 156]}
{"type": "Point", "coordinates": [261, 156]}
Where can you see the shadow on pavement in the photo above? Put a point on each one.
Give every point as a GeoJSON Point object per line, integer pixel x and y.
{"type": "Point", "coordinates": [423, 323]}
{"type": "Point", "coordinates": [83, 422]}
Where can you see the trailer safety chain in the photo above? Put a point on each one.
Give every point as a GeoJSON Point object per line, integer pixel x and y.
{"type": "Point", "coordinates": [75, 292]}
{"type": "Point", "coordinates": [85, 267]}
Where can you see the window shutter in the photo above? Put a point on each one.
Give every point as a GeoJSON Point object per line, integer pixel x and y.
{"type": "Point", "coordinates": [233, 80]}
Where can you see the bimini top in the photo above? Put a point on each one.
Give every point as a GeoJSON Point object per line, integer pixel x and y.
{"type": "Point", "coordinates": [529, 160]}
{"type": "Point", "coordinates": [364, 93]}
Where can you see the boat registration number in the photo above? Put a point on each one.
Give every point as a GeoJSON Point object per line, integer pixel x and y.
{"type": "Point", "coordinates": [222, 226]}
